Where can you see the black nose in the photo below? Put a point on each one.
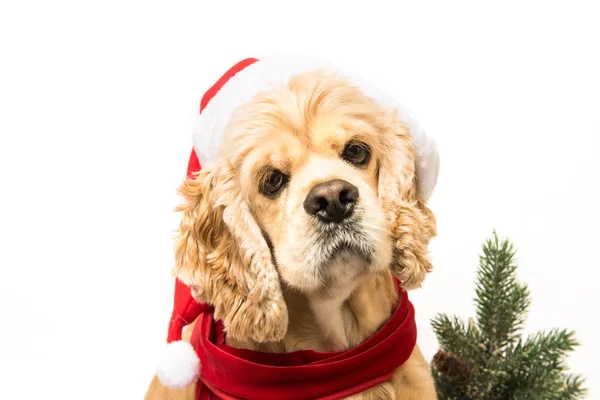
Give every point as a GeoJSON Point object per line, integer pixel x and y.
{"type": "Point", "coordinates": [331, 201]}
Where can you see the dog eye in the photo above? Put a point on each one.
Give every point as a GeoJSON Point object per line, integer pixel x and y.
{"type": "Point", "coordinates": [273, 183]}
{"type": "Point", "coordinates": [357, 153]}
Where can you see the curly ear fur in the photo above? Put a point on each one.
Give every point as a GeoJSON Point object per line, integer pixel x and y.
{"type": "Point", "coordinates": [221, 253]}
{"type": "Point", "coordinates": [411, 223]}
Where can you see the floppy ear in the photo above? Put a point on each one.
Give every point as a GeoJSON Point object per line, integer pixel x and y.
{"type": "Point", "coordinates": [222, 255]}
{"type": "Point", "coordinates": [411, 223]}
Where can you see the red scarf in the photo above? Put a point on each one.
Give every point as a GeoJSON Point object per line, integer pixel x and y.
{"type": "Point", "coordinates": [229, 373]}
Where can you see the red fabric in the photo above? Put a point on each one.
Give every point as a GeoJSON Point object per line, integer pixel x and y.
{"type": "Point", "coordinates": [185, 310]}
{"type": "Point", "coordinates": [214, 89]}
{"type": "Point", "coordinates": [228, 373]}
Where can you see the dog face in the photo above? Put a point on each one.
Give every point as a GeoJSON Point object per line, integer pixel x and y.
{"type": "Point", "coordinates": [314, 187]}
{"type": "Point", "coordinates": [311, 182]}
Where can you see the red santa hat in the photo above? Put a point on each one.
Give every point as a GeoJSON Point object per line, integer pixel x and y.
{"type": "Point", "coordinates": [179, 364]}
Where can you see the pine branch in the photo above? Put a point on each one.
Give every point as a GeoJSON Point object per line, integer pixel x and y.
{"type": "Point", "coordinates": [457, 337]}
{"type": "Point", "coordinates": [571, 388]}
{"type": "Point", "coordinates": [501, 301]}
{"type": "Point", "coordinates": [544, 348]}
{"type": "Point", "coordinates": [464, 341]}
{"type": "Point", "coordinates": [488, 360]}
{"type": "Point", "coordinates": [536, 367]}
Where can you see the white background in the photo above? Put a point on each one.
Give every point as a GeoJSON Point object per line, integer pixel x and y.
{"type": "Point", "coordinates": [97, 101]}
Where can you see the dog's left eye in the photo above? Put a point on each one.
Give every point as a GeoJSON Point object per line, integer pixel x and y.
{"type": "Point", "coordinates": [357, 153]}
{"type": "Point", "coordinates": [273, 183]}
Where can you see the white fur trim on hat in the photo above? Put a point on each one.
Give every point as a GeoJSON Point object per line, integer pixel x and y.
{"type": "Point", "coordinates": [263, 74]}
{"type": "Point", "coordinates": [179, 365]}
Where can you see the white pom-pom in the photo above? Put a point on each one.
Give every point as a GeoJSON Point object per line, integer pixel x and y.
{"type": "Point", "coordinates": [178, 366]}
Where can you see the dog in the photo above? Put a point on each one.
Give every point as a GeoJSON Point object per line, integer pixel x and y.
{"type": "Point", "coordinates": [297, 231]}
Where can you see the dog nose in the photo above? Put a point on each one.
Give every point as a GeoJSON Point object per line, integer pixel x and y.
{"type": "Point", "coordinates": [331, 201]}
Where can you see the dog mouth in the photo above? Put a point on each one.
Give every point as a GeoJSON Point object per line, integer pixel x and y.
{"type": "Point", "coordinates": [344, 241]}
{"type": "Point", "coordinates": [349, 250]}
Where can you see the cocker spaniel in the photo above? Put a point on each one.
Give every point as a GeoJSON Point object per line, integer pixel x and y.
{"type": "Point", "coordinates": [299, 229]}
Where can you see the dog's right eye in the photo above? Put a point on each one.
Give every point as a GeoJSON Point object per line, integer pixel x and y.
{"type": "Point", "coordinates": [273, 183]}
{"type": "Point", "coordinates": [357, 154]}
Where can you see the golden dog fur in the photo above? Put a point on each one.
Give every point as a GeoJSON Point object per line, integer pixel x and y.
{"type": "Point", "coordinates": [232, 236]}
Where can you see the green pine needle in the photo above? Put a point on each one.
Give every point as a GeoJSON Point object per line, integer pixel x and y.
{"type": "Point", "coordinates": [457, 337]}
{"type": "Point", "coordinates": [571, 388]}
{"type": "Point", "coordinates": [509, 366]}
{"type": "Point", "coordinates": [501, 301]}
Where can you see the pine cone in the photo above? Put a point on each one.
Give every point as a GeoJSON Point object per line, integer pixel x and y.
{"type": "Point", "coordinates": [457, 369]}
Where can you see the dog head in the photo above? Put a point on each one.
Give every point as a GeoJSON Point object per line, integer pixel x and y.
{"type": "Point", "coordinates": [314, 186]}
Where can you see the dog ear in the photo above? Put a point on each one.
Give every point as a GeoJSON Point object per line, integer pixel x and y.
{"type": "Point", "coordinates": [221, 254]}
{"type": "Point", "coordinates": [411, 222]}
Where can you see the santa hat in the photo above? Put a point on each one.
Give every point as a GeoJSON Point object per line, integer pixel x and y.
{"type": "Point", "coordinates": [179, 365]}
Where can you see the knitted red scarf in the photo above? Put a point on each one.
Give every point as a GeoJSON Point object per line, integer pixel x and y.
{"type": "Point", "coordinates": [229, 373]}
